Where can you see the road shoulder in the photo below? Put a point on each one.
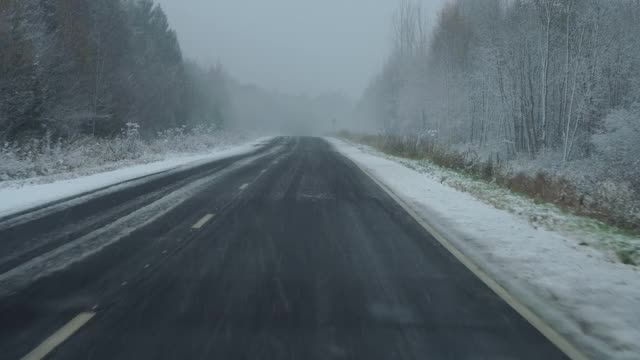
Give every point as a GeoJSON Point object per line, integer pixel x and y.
{"type": "Point", "coordinates": [582, 295]}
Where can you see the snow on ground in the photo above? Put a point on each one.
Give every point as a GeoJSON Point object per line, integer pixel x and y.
{"type": "Point", "coordinates": [78, 249]}
{"type": "Point", "coordinates": [20, 195]}
{"type": "Point", "coordinates": [583, 291]}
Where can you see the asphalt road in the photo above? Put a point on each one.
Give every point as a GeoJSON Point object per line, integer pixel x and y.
{"type": "Point", "coordinates": [294, 254]}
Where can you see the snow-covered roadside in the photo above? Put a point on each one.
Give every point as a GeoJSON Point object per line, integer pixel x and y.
{"type": "Point", "coordinates": [579, 290]}
{"type": "Point", "coordinates": [80, 248]}
{"type": "Point", "coordinates": [20, 195]}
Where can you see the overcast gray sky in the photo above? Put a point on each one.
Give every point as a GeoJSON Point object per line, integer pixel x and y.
{"type": "Point", "coordinates": [294, 46]}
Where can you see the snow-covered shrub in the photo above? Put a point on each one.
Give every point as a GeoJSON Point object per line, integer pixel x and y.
{"type": "Point", "coordinates": [616, 198]}
{"type": "Point", "coordinates": [618, 144]}
{"type": "Point", "coordinates": [129, 145]}
{"type": "Point", "coordinates": [174, 140]}
{"type": "Point", "coordinates": [86, 154]}
{"type": "Point", "coordinates": [591, 186]}
{"type": "Point", "coordinates": [198, 139]}
{"type": "Point", "coordinates": [10, 164]}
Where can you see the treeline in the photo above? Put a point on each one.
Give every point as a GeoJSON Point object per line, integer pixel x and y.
{"type": "Point", "coordinates": [89, 67]}
{"type": "Point", "coordinates": [541, 96]}
{"type": "Point", "coordinates": [516, 77]}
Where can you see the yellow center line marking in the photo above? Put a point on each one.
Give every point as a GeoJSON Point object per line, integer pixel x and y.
{"type": "Point", "coordinates": [59, 336]}
{"type": "Point", "coordinates": [244, 186]}
{"type": "Point", "coordinates": [205, 219]}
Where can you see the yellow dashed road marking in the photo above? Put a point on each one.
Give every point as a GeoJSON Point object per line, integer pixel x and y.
{"type": "Point", "coordinates": [202, 221]}
{"type": "Point", "coordinates": [59, 336]}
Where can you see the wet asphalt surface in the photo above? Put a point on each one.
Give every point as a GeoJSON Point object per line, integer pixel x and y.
{"type": "Point", "coordinates": [304, 257]}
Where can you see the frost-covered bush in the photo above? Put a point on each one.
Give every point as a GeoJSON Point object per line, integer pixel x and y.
{"type": "Point", "coordinates": [621, 134]}
{"type": "Point", "coordinates": [128, 145]}
{"type": "Point", "coordinates": [36, 158]}
{"type": "Point", "coordinates": [174, 140]}
{"type": "Point", "coordinates": [615, 194]}
{"type": "Point", "coordinates": [10, 164]}
{"type": "Point", "coordinates": [618, 145]}
{"type": "Point", "coordinates": [182, 140]}
{"type": "Point", "coordinates": [601, 188]}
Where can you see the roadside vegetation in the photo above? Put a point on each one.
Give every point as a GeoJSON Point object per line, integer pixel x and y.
{"type": "Point", "coordinates": [79, 68]}
{"type": "Point", "coordinates": [544, 199]}
{"type": "Point", "coordinates": [87, 86]}
{"type": "Point", "coordinates": [539, 97]}
{"type": "Point", "coordinates": [93, 85]}
{"type": "Point", "coordinates": [47, 159]}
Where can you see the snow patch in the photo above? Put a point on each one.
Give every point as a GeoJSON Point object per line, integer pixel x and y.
{"type": "Point", "coordinates": [579, 290]}
{"type": "Point", "coordinates": [85, 246]}
{"type": "Point", "coordinates": [19, 196]}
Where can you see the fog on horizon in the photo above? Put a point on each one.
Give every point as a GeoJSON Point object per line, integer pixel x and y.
{"type": "Point", "coordinates": [290, 46]}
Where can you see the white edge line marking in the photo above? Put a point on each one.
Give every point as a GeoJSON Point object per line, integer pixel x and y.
{"type": "Point", "coordinates": [205, 219]}
{"type": "Point", "coordinates": [244, 186]}
{"type": "Point", "coordinates": [59, 336]}
{"type": "Point", "coordinates": [534, 319]}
